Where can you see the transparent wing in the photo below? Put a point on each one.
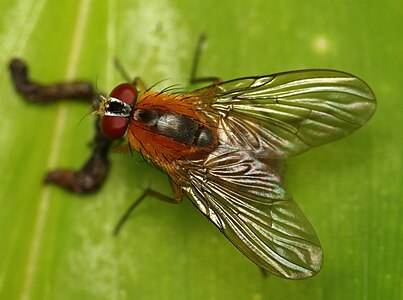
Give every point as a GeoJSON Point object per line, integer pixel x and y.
{"type": "Point", "coordinates": [246, 200]}
{"type": "Point", "coordinates": [288, 113]}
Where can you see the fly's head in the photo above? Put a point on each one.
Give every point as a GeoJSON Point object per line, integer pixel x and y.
{"type": "Point", "coordinates": [116, 110]}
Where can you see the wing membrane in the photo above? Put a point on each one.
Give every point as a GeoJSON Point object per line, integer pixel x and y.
{"type": "Point", "coordinates": [288, 113]}
{"type": "Point", "coordinates": [246, 200]}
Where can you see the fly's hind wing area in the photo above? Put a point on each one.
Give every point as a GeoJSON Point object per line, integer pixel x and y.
{"type": "Point", "coordinates": [288, 113]}
{"type": "Point", "coordinates": [246, 200]}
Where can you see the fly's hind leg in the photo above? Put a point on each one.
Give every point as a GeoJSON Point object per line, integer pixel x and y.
{"type": "Point", "coordinates": [178, 195]}
{"type": "Point", "coordinates": [91, 176]}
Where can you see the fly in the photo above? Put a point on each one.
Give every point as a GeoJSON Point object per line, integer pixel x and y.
{"type": "Point", "coordinates": [222, 147]}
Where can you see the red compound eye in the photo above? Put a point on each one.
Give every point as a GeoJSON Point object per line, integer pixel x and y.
{"type": "Point", "coordinates": [125, 92]}
{"type": "Point", "coordinates": [116, 119]}
{"type": "Point", "coordinates": [114, 127]}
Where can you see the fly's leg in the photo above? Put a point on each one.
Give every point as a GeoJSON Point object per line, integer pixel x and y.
{"type": "Point", "coordinates": [195, 65]}
{"type": "Point", "coordinates": [137, 81]}
{"type": "Point", "coordinates": [90, 177]}
{"type": "Point", "coordinates": [149, 192]}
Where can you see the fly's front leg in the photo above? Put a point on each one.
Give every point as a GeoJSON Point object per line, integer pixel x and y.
{"type": "Point", "coordinates": [137, 81]}
{"type": "Point", "coordinates": [90, 177]}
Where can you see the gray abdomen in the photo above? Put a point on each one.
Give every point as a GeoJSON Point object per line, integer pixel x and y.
{"type": "Point", "coordinates": [180, 128]}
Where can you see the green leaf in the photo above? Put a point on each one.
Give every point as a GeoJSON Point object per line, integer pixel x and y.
{"type": "Point", "coordinates": [55, 245]}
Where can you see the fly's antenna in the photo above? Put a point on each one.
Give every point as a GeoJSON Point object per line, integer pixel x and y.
{"type": "Point", "coordinates": [103, 103]}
